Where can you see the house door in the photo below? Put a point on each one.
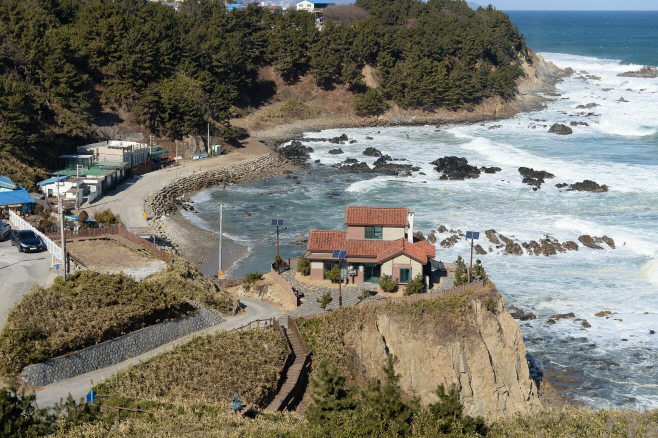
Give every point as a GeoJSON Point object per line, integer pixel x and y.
{"type": "Point", "coordinates": [372, 272]}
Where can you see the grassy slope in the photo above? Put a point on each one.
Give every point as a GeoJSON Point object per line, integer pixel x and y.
{"type": "Point", "coordinates": [208, 370]}
{"type": "Point", "coordinates": [92, 308]}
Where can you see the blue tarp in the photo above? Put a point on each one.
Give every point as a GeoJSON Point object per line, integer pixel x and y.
{"type": "Point", "coordinates": [20, 196]}
{"type": "Point", "coordinates": [53, 179]}
{"type": "Point", "coordinates": [75, 218]}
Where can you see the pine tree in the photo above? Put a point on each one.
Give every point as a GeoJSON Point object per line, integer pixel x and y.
{"type": "Point", "coordinates": [330, 395]}
{"type": "Point", "coordinates": [461, 272]}
{"type": "Point", "coordinates": [303, 266]}
{"type": "Point", "coordinates": [449, 412]}
{"type": "Point", "coordinates": [324, 300]}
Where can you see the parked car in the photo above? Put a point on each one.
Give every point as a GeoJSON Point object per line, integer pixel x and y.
{"type": "Point", "coordinates": [26, 240]}
{"type": "Point", "coordinates": [5, 229]}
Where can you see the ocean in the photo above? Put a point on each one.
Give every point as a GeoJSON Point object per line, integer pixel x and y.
{"type": "Point", "coordinates": [613, 363]}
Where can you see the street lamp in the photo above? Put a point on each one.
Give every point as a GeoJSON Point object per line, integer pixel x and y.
{"type": "Point", "coordinates": [473, 235]}
{"type": "Point", "coordinates": [277, 223]}
{"type": "Point", "coordinates": [341, 255]}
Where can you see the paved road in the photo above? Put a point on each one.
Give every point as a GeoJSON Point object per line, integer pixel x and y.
{"type": "Point", "coordinates": [79, 386]}
{"type": "Point", "coordinates": [18, 273]}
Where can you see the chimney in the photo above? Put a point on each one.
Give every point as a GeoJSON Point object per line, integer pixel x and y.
{"type": "Point", "coordinates": [410, 234]}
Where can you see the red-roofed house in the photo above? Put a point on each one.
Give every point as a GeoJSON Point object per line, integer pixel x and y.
{"type": "Point", "coordinates": [379, 241]}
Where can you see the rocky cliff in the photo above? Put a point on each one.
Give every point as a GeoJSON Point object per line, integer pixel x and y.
{"type": "Point", "coordinates": [453, 340]}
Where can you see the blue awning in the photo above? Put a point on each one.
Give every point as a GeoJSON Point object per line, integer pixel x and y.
{"type": "Point", "coordinates": [14, 197]}
{"type": "Point", "coordinates": [6, 183]}
{"type": "Point", "coordinates": [54, 179]}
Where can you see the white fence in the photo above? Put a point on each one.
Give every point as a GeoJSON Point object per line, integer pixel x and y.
{"type": "Point", "coordinates": [56, 251]}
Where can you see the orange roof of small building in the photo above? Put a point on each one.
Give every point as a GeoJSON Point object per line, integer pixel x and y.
{"type": "Point", "coordinates": [377, 216]}
{"type": "Point", "coordinates": [326, 240]}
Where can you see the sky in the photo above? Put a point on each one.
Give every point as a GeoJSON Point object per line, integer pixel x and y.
{"type": "Point", "coordinates": [573, 5]}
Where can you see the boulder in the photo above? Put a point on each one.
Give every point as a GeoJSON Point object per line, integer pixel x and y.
{"type": "Point", "coordinates": [491, 235]}
{"type": "Point", "coordinates": [609, 241]}
{"type": "Point", "coordinates": [455, 168]}
{"type": "Point", "coordinates": [513, 248]}
{"type": "Point", "coordinates": [418, 235]}
{"type": "Point", "coordinates": [588, 106]}
{"type": "Point", "coordinates": [645, 72]}
{"type": "Point", "coordinates": [563, 316]}
{"type": "Point", "coordinates": [442, 229]}
{"type": "Point", "coordinates": [372, 152]}
{"type": "Point", "coordinates": [589, 241]}
{"type": "Point", "coordinates": [449, 242]}
{"type": "Point", "coordinates": [603, 313]}
{"type": "Point", "coordinates": [588, 186]}
{"type": "Point", "coordinates": [621, 99]}
{"type": "Point", "coordinates": [570, 245]}
{"type": "Point", "coordinates": [356, 167]}
{"type": "Point", "coordinates": [479, 250]}
{"type": "Point", "coordinates": [431, 238]}
{"type": "Point", "coordinates": [560, 129]}
{"type": "Point", "coordinates": [350, 161]}
{"type": "Point", "coordinates": [246, 214]}
{"type": "Point", "coordinates": [566, 73]}
{"type": "Point", "coordinates": [337, 151]}
{"type": "Point", "coordinates": [296, 150]}
{"type": "Point", "coordinates": [490, 169]}
{"type": "Point", "coordinates": [534, 177]}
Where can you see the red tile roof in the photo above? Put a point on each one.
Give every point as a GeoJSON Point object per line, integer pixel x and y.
{"type": "Point", "coordinates": [376, 216]}
{"type": "Point", "coordinates": [382, 250]}
{"type": "Point", "coordinates": [326, 241]}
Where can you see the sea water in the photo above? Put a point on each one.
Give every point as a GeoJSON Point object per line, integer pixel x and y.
{"type": "Point", "coordinates": [613, 363]}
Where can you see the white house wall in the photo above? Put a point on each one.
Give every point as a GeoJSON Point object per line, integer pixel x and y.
{"type": "Point", "coordinates": [392, 233]}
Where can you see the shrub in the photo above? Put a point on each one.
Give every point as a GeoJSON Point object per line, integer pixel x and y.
{"type": "Point", "coordinates": [415, 286]}
{"type": "Point", "coordinates": [365, 294]}
{"type": "Point", "coordinates": [490, 304]}
{"type": "Point", "coordinates": [253, 277]}
{"type": "Point", "coordinates": [324, 300]}
{"type": "Point", "coordinates": [387, 284]}
{"type": "Point", "coordinates": [478, 269]}
{"type": "Point", "coordinates": [448, 412]}
{"type": "Point", "coordinates": [333, 274]}
{"type": "Point", "coordinates": [304, 266]}
{"type": "Point", "coordinates": [278, 262]}
{"type": "Point", "coordinates": [330, 395]}
{"type": "Point", "coordinates": [107, 218]}
{"type": "Point", "coordinates": [370, 103]}
{"type": "Point", "coordinates": [461, 273]}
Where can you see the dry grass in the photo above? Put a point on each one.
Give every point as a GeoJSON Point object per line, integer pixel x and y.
{"type": "Point", "coordinates": [207, 370]}
{"type": "Point", "coordinates": [293, 109]}
{"type": "Point", "coordinates": [91, 308]}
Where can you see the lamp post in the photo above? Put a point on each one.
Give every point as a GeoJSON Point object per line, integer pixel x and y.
{"type": "Point", "coordinates": [341, 255]}
{"type": "Point", "coordinates": [220, 274]}
{"type": "Point", "coordinates": [277, 223]}
{"type": "Point", "coordinates": [473, 235]}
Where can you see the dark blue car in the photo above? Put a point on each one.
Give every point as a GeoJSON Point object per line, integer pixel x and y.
{"type": "Point", "coordinates": [26, 241]}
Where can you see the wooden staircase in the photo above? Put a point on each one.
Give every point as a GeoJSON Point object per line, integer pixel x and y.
{"type": "Point", "coordinates": [295, 372]}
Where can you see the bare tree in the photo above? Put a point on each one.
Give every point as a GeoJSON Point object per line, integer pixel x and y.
{"type": "Point", "coordinates": [345, 14]}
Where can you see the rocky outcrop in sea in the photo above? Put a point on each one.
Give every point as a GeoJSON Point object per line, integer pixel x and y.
{"type": "Point", "coordinates": [645, 72]}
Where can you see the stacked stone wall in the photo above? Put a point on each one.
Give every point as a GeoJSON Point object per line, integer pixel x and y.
{"type": "Point", "coordinates": [119, 349]}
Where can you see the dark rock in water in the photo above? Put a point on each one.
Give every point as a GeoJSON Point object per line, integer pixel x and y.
{"type": "Point", "coordinates": [588, 186]}
{"type": "Point", "coordinates": [369, 138]}
{"type": "Point", "coordinates": [491, 235]}
{"type": "Point", "coordinates": [431, 238]}
{"type": "Point", "coordinates": [246, 214]}
{"type": "Point", "coordinates": [479, 250]}
{"type": "Point", "coordinates": [372, 152]}
{"type": "Point", "coordinates": [382, 160]}
{"type": "Point", "coordinates": [442, 229]}
{"type": "Point", "coordinates": [588, 106]}
{"type": "Point", "coordinates": [296, 150]}
{"type": "Point", "coordinates": [645, 72]}
{"type": "Point", "coordinates": [382, 165]}
{"type": "Point", "coordinates": [490, 169]}
{"type": "Point", "coordinates": [609, 241]}
{"type": "Point", "coordinates": [333, 195]}
{"type": "Point", "coordinates": [418, 235]}
{"type": "Point", "coordinates": [561, 185]}
{"type": "Point", "coordinates": [316, 161]}
{"type": "Point", "coordinates": [353, 141]}
{"type": "Point", "coordinates": [621, 99]}
{"type": "Point", "coordinates": [449, 242]}
{"type": "Point", "coordinates": [336, 151]}
{"type": "Point", "coordinates": [586, 324]}
{"type": "Point", "coordinates": [570, 245]}
{"type": "Point", "coordinates": [513, 248]}
{"type": "Point", "coordinates": [350, 161]}
{"type": "Point", "coordinates": [551, 321]}
{"type": "Point", "coordinates": [534, 177]}
{"type": "Point", "coordinates": [560, 129]}
{"type": "Point", "coordinates": [603, 313]}
{"type": "Point", "coordinates": [356, 167]}
{"type": "Point", "coordinates": [566, 73]}
{"type": "Point", "coordinates": [338, 140]}
{"type": "Point", "coordinates": [578, 123]}
{"type": "Point", "coordinates": [528, 317]}
{"type": "Point", "coordinates": [563, 316]}
{"type": "Point", "coordinates": [455, 168]}
{"type": "Point", "coordinates": [589, 241]}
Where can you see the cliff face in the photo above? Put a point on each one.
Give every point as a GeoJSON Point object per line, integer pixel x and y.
{"type": "Point", "coordinates": [482, 353]}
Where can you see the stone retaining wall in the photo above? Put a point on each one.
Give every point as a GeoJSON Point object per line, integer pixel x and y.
{"type": "Point", "coordinates": [119, 349]}
{"type": "Point", "coordinates": [168, 199]}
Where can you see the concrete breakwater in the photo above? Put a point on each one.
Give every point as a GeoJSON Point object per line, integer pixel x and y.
{"type": "Point", "coordinates": [170, 198]}
{"type": "Point", "coordinates": [119, 349]}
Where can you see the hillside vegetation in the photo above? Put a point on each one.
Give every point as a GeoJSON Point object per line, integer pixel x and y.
{"type": "Point", "coordinates": [64, 63]}
{"type": "Point", "coordinates": [92, 307]}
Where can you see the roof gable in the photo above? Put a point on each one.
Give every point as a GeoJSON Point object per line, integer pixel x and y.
{"type": "Point", "coordinates": [20, 196]}
{"type": "Point", "coordinates": [377, 216]}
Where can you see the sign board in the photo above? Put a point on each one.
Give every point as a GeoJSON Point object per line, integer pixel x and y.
{"type": "Point", "coordinates": [472, 235]}
{"type": "Point", "coordinates": [221, 274]}
{"type": "Point", "coordinates": [353, 272]}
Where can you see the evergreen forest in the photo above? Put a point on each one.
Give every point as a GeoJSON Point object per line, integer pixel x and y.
{"type": "Point", "coordinates": [64, 64]}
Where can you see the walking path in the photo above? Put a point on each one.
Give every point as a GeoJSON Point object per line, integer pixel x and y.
{"type": "Point", "coordinates": [80, 385]}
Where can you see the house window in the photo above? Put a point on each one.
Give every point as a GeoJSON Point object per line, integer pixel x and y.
{"type": "Point", "coordinates": [404, 275]}
{"type": "Point", "coordinates": [373, 232]}
{"type": "Point", "coordinates": [372, 272]}
{"type": "Point", "coordinates": [328, 266]}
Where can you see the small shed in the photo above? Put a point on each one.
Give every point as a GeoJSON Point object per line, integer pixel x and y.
{"type": "Point", "coordinates": [14, 197]}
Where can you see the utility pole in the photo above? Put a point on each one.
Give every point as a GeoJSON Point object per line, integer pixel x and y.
{"type": "Point", "coordinates": [77, 186]}
{"type": "Point", "coordinates": [62, 233]}
{"type": "Point", "coordinates": [176, 157]}
{"type": "Point", "coordinates": [277, 249]}
{"type": "Point", "coordinates": [208, 138]}
{"type": "Point", "coordinates": [221, 233]}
